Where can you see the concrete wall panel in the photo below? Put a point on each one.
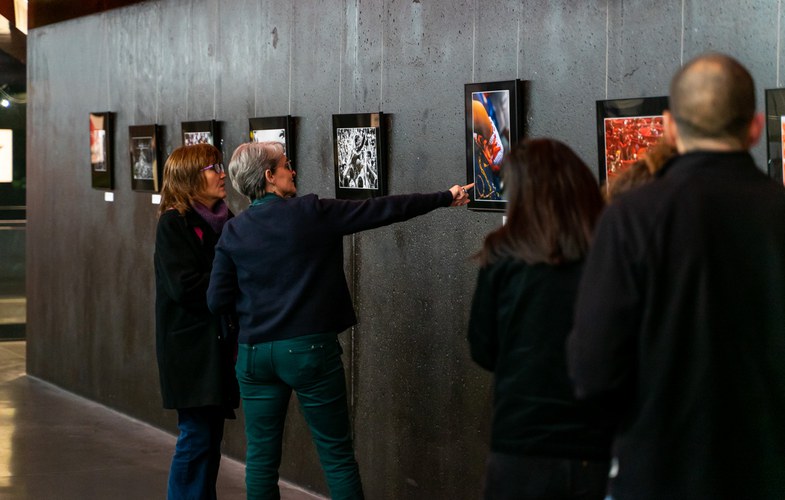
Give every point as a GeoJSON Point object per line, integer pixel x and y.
{"type": "Point", "coordinates": [421, 409]}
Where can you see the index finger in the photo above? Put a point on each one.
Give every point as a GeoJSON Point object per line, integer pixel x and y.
{"type": "Point", "coordinates": [468, 186]}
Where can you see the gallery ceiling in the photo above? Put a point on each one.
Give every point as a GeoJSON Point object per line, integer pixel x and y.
{"type": "Point", "coordinates": [13, 41]}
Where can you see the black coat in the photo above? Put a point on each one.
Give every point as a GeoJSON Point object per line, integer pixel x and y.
{"type": "Point", "coordinates": [521, 315]}
{"type": "Point", "coordinates": [680, 329]}
{"type": "Point", "coordinates": [195, 348]}
{"type": "Point", "coordinates": [280, 263]}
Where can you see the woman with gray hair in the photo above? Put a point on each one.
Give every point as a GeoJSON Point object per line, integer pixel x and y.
{"type": "Point", "coordinates": [279, 265]}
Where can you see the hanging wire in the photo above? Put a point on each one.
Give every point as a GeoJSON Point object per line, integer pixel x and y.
{"type": "Point", "coordinates": [11, 98]}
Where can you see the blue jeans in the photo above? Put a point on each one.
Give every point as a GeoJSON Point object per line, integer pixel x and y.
{"type": "Point", "coordinates": [197, 454]}
{"type": "Point", "coordinates": [311, 365]}
{"type": "Point", "coordinates": [510, 477]}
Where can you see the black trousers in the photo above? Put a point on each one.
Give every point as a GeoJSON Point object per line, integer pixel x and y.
{"type": "Point", "coordinates": [510, 477]}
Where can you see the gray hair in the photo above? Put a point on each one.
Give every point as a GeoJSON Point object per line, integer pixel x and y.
{"type": "Point", "coordinates": [249, 163]}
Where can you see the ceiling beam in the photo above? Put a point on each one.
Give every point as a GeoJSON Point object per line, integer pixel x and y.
{"type": "Point", "coordinates": [43, 12]}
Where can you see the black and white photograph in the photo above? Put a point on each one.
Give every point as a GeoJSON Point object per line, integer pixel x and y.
{"type": "Point", "coordinates": [274, 135]}
{"type": "Point", "coordinates": [141, 158]}
{"type": "Point", "coordinates": [357, 162]}
{"type": "Point", "coordinates": [277, 129]}
{"type": "Point", "coordinates": [101, 150]}
{"type": "Point", "coordinates": [146, 165]}
{"type": "Point", "coordinates": [359, 155]}
{"type": "Point", "coordinates": [201, 132]}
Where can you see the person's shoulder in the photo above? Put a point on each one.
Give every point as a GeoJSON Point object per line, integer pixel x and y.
{"type": "Point", "coordinates": [171, 218]}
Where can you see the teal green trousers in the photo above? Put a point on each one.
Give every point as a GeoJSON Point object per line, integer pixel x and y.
{"type": "Point", "coordinates": [311, 365]}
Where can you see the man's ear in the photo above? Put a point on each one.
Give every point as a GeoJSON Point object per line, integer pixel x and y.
{"type": "Point", "coordinates": [671, 131]}
{"type": "Point", "coordinates": [755, 130]}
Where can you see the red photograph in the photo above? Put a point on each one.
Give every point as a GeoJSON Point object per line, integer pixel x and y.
{"type": "Point", "coordinates": [627, 139]}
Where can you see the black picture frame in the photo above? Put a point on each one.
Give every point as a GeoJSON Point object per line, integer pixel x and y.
{"type": "Point", "coordinates": [204, 131]}
{"type": "Point", "coordinates": [275, 128]}
{"type": "Point", "coordinates": [494, 122]}
{"type": "Point", "coordinates": [146, 163]}
{"type": "Point", "coordinates": [101, 149]}
{"type": "Point", "coordinates": [359, 155]}
{"type": "Point", "coordinates": [626, 128]}
{"type": "Point", "coordinates": [775, 122]}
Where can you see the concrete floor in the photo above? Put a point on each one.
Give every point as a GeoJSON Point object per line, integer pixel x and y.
{"type": "Point", "coordinates": [55, 445]}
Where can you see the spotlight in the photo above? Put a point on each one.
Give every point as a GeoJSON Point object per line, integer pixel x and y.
{"type": "Point", "coordinates": [5, 103]}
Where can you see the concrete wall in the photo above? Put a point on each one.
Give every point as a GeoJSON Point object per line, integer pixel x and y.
{"type": "Point", "coordinates": [421, 409]}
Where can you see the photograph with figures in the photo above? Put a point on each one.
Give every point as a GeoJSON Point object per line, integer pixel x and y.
{"type": "Point", "coordinates": [357, 158]}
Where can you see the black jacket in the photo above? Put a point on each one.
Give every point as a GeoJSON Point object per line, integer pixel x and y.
{"type": "Point", "coordinates": [281, 263]}
{"type": "Point", "coordinates": [195, 349]}
{"type": "Point", "coordinates": [519, 322]}
{"type": "Point", "coordinates": [680, 330]}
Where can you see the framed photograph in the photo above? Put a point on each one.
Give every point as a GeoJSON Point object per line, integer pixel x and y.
{"type": "Point", "coordinates": [359, 155]}
{"type": "Point", "coordinates": [275, 128]}
{"type": "Point", "coordinates": [625, 130]}
{"type": "Point", "coordinates": [775, 130]}
{"type": "Point", "coordinates": [494, 113]}
{"type": "Point", "coordinates": [146, 164]}
{"type": "Point", "coordinates": [201, 132]}
{"type": "Point", "coordinates": [101, 135]}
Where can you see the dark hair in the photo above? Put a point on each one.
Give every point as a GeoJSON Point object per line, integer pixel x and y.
{"type": "Point", "coordinates": [183, 179]}
{"type": "Point", "coordinates": [713, 96]}
{"type": "Point", "coordinates": [553, 204]}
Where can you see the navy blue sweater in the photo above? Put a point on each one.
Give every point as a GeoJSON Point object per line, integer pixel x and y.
{"type": "Point", "coordinates": [280, 263]}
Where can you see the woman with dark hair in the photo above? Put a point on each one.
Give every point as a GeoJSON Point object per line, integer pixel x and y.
{"type": "Point", "coordinates": [544, 444]}
{"type": "Point", "coordinates": [194, 347]}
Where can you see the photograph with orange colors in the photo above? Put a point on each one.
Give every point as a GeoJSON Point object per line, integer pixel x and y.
{"type": "Point", "coordinates": [627, 139]}
{"type": "Point", "coordinates": [626, 129]}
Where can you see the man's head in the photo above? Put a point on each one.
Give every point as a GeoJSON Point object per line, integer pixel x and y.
{"type": "Point", "coordinates": [712, 106]}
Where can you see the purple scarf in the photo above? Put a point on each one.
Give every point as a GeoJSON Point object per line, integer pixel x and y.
{"type": "Point", "coordinates": [216, 217]}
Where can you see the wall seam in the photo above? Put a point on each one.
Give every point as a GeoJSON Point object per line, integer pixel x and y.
{"type": "Point", "coordinates": [681, 50]}
{"type": "Point", "coordinates": [779, 38]}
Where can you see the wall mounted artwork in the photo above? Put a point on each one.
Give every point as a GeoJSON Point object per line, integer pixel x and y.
{"type": "Point", "coordinates": [275, 128]}
{"type": "Point", "coordinates": [201, 132]}
{"type": "Point", "coordinates": [775, 131]}
{"type": "Point", "coordinates": [101, 137]}
{"type": "Point", "coordinates": [359, 155]}
{"type": "Point", "coordinates": [626, 128]}
{"type": "Point", "coordinates": [494, 113]}
{"type": "Point", "coordinates": [146, 164]}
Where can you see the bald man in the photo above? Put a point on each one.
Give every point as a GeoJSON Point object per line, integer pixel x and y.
{"type": "Point", "coordinates": [680, 322]}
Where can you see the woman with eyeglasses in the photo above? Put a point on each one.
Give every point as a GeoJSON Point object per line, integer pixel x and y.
{"type": "Point", "coordinates": [195, 348]}
{"type": "Point", "coordinates": [279, 265]}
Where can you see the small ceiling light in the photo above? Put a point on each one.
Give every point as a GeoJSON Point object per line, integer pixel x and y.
{"type": "Point", "coordinates": [5, 103]}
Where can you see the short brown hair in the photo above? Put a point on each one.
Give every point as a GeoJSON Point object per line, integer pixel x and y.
{"type": "Point", "coordinates": [182, 175]}
{"type": "Point", "coordinates": [713, 96]}
{"type": "Point", "coordinates": [553, 205]}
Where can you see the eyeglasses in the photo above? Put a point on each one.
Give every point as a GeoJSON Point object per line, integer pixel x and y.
{"type": "Point", "coordinates": [218, 167]}
{"type": "Point", "coordinates": [288, 165]}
